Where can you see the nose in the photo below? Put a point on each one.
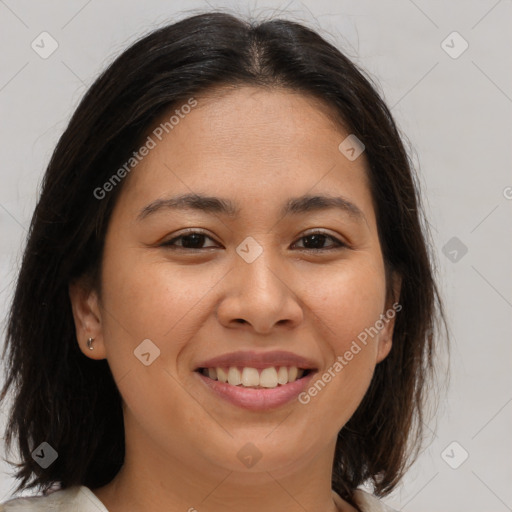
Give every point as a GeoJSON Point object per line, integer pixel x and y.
{"type": "Point", "coordinates": [259, 296]}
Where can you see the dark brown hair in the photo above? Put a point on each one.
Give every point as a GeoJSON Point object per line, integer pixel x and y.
{"type": "Point", "coordinates": [71, 401]}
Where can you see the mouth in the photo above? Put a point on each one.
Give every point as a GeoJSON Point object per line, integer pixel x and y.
{"type": "Point", "coordinates": [255, 378]}
{"type": "Point", "coordinates": [256, 381]}
{"type": "Point", "coordinates": [255, 389]}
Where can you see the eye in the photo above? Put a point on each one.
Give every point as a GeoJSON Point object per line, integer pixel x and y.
{"type": "Point", "coordinates": [189, 240]}
{"type": "Point", "coordinates": [317, 239]}
{"type": "Point", "coordinates": [194, 239]}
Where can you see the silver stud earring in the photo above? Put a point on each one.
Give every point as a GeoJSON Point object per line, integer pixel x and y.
{"type": "Point", "coordinates": [89, 343]}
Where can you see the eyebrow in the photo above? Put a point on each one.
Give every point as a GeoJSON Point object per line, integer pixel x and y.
{"type": "Point", "coordinates": [216, 205]}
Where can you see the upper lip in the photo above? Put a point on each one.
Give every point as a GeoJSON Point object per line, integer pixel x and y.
{"type": "Point", "coordinates": [258, 360]}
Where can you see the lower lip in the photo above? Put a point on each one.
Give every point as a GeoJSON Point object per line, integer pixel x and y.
{"type": "Point", "coordinates": [258, 399]}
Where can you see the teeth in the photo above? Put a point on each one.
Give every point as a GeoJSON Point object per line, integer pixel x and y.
{"type": "Point", "coordinates": [222, 376]}
{"type": "Point", "coordinates": [252, 377]}
{"type": "Point", "coordinates": [282, 375]}
{"type": "Point", "coordinates": [234, 376]}
{"type": "Point", "coordinates": [268, 378]}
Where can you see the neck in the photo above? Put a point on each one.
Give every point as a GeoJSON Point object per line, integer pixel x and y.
{"type": "Point", "coordinates": [152, 480]}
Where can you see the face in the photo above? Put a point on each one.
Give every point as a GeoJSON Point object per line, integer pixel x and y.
{"type": "Point", "coordinates": [241, 276]}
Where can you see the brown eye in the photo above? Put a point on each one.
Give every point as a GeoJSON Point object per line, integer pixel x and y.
{"type": "Point", "coordinates": [316, 241]}
{"type": "Point", "coordinates": [190, 240]}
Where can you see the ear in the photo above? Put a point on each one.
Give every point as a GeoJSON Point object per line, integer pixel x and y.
{"type": "Point", "coordinates": [87, 317]}
{"type": "Point", "coordinates": [388, 318]}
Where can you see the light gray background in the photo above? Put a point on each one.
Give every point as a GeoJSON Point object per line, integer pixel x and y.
{"type": "Point", "coordinates": [456, 114]}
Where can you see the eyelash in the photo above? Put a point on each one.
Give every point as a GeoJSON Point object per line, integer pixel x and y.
{"type": "Point", "coordinates": [170, 243]}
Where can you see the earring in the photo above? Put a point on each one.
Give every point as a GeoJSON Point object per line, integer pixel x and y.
{"type": "Point", "coordinates": [89, 343]}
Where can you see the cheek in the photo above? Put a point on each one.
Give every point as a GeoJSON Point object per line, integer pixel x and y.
{"type": "Point", "coordinates": [348, 303]}
{"type": "Point", "coordinates": [148, 299]}
{"type": "Point", "coordinates": [346, 308]}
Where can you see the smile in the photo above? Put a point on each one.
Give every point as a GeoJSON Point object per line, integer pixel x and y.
{"type": "Point", "coordinates": [248, 377]}
{"type": "Point", "coordinates": [270, 392]}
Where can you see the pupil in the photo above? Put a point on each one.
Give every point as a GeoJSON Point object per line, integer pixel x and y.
{"type": "Point", "coordinates": [196, 240]}
{"type": "Point", "coordinates": [319, 239]}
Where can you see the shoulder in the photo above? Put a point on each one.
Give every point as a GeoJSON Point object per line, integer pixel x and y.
{"type": "Point", "coordinates": [75, 499]}
{"type": "Point", "coordinates": [369, 503]}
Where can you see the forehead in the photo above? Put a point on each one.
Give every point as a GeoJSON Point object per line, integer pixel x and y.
{"type": "Point", "coordinates": [249, 143]}
{"type": "Point", "coordinates": [262, 119]}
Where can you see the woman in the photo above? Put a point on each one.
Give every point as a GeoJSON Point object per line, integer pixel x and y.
{"type": "Point", "coordinates": [179, 338]}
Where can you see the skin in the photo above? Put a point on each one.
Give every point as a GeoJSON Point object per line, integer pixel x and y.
{"type": "Point", "coordinates": [258, 147]}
